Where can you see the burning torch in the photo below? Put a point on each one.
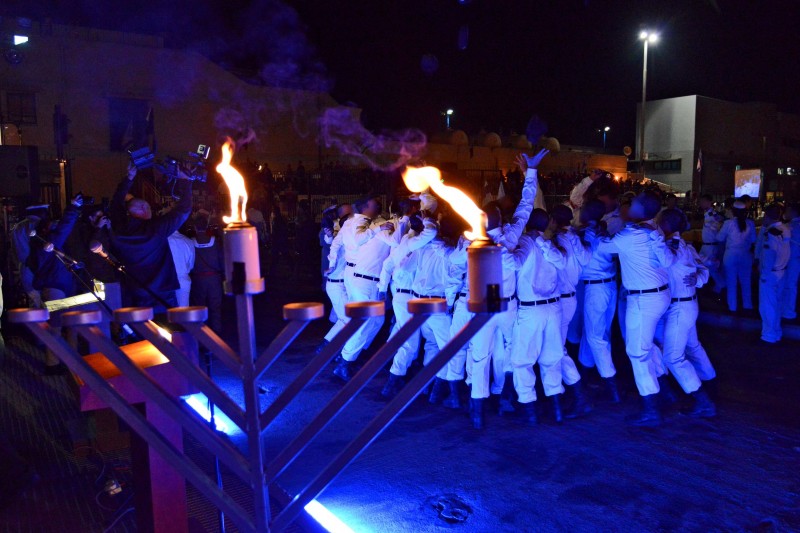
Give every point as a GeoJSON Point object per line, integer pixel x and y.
{"type": "Point", "coordinates": [242, 265]}
{"type": "Point", "coordinates": [484, 258]}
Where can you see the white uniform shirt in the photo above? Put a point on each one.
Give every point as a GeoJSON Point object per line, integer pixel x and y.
{"type": "Point", "coordinates": [776, 248]}
{"type": "Point", "coordinates": [576, 195]}
{"type": "Point", "coordinates": [735, 240]}
{"type": "Point", "coordinates": [509, 234]}
{"type": "Point", "coordinates": [643, 256]}
{"type": "Point", "coordinates": [794, 227]}
{"type": "Point", "coordinates": [365, 245]}
{"type": "Point", "coordinates": [433, 266]}
{"type": "Point", "coordinates": [338, 266]}
{"type": "Point", "coordinates": [601, 265]}
{"type": "Point", "coordinates": [711, 227]}
{"type": "Point", "coordinates": [614, 222]}
{"type": "Point", "coordinates": [687, 262]}
{"type": "Point", "coordinates": [457, 273]}
{"type": "Point", "coordinates": [399, 267]}
{"type": "Point", "coordinates": [577, 256]}
{"type": "Point", "coordinates": [538, 261]}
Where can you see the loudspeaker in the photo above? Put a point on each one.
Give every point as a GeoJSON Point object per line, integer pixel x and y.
{"type": "Point", "coordinates": [19, 171]}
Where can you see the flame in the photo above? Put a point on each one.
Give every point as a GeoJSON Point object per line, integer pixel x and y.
{"type": "Point", "coordinates": [235, 183]}
{"type": "Point", "coordinates": [417, 179]}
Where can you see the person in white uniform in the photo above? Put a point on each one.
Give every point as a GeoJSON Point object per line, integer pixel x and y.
{"type": "Point", "coordinates": [398, 270]}
{"type": "Point", "coordinates": [711, 251]}
{"type": "Point", "coordinates": [431, 280]}
{"type": "Point", "coordinates": [598, 278]}
{"type": "Point", "coordinates": [484, 349]}
{"type": "Point", "coordinates": [537, 332]}
{"type": "Point", "coordinates": [334, 285]}
{"type": "Point", "coordinates": [577, 256]}
{"type": "Point", "coordinates": [644, 259]}
{"type": "Point", "coordinates": [366, 241]}
{"type": "Point", "coordinates": [789, 305]}
{"type": "Point", "coordinates": [739, 235]}
{"type": "Point", "coordinates": [686, 275]}
{"type": "Point", "coordinates": [774, 253]}
{"type": "Point", "coordinates": [182, 248]}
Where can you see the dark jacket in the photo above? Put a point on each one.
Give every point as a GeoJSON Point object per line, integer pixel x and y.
{"type": "Point", "coordinates": [141, 245]}
{"type": "Point", "coordinates": [48, 270]}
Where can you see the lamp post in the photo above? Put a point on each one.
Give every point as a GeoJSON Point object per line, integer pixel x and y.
{"type": "Point", "coordinates": [648, 38]}
{"type": "Point", "coordinates": [447, 114]}
{"type": "Point", "coordinates": [604, 131]}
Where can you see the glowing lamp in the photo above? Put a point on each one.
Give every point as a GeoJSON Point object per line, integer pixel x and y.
{"type": "Point", "coordinates": [20, 39]}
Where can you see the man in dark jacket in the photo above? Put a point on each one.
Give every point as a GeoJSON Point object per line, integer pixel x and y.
{"type": "Point", "coordinates": [139, 241]}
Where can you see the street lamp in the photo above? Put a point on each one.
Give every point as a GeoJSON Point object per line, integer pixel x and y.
{"type": "Point", "coordinates": [647, 37]}
{"type": "Point", "coordinates": [604, 131]}
{"type": "Point", "coordinates": [447, 114]}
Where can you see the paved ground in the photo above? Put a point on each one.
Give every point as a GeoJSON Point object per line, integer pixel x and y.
{"type": "Point", "coordinates": [736, 472]}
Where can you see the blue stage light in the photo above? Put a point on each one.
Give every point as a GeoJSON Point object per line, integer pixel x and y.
{"type": "Point", "coordinates": [20, 39]}
{"type": "Point", "coordinates": [326, 519]}
{"type": "Point", "coordinates": [199, 403]}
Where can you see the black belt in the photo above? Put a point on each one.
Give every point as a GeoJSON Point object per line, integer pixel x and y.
{"type": "Point", "coordinates": [779, 269]}
{"type": "Point", "coordinates": [568, 295]}
{"type": "Point", "coordinates": [402, 291]}
{"type": "Point", "coordinates": [350, 264]}
{"type": "Point", "coordinates": [428, 296]}
{"type": "Point", "coordinates": [464, 295]}
{"type": "Point", "coordinates": [687, 299]}
{"type": "Point", "coordinates": [371, 278]}
{"type": "Point", "coordinates": [711, 243]}
{"type": "Point", "coordinates": [539, 302]}
{"type": "Point", "coordinates": [598, 281]}
{"type": "Point", "coordinates": [648, 291]}
{"type": "Point", "coordinates": [335, 280]}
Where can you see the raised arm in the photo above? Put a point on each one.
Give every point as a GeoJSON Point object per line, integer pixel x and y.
{"type": "Point", "coordinates": [70, 216]}
{"type": "Point", "coordinates": [513, 230]}
{"type": "Point", "coordinates": [172, 220]}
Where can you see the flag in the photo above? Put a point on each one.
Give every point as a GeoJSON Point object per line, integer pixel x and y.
{"type": "Point", "coordinates": [700, 161]}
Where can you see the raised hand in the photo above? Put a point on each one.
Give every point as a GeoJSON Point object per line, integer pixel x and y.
{"type": "Point", "coordinates": [533, 161]}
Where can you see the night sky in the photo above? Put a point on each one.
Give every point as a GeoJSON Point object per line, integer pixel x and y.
{"type": "Point", "coordinates": [575, 63]}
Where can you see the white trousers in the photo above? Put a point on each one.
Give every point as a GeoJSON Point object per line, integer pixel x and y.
{"type": "Point", "coordinates": [461, 363]}
{"type": "Point", "coordinates": [338, 296]}
{"type": "Point", "coordinates": [680, 323]}
{"type": "Point", "coordinates": [790, 287]}
{"type": "Point", "coordinates": [642, 316]}
{"type": "Point", "coordinates": [408, 351]}
{"type": "Point", "coordinates": [493, 343]}
{"type": "Point", "coordinates": [569, 372]}
{"type": "Point", "coordinates": [537, 338]}
{"type": "Point", "coordinates": [599, 306]}
{"type": "Point", "coordinates": [770, 285]}
{"type": "Point", "coordinates": [361, 290]}
{"type": "Point", "coordinates": [738, 271]}
{"type": "Point", "coordinates": [436, 332]}
{"type": "Point", "coordinates": [576, 325]}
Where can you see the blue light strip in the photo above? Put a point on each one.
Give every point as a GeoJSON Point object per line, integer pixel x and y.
{"type": "Point", "coordinates": [199, 403]}
{"type": "Point", "coordinates": [326, 519]}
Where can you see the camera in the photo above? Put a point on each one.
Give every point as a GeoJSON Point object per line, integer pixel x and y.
{"type": "Point", "coordinates": [194, 165]}
{"type": "Point", "coordinates": [142, 158]}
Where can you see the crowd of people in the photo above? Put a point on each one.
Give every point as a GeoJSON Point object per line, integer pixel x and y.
{"type": "Point", "coordinates": [566, 274]}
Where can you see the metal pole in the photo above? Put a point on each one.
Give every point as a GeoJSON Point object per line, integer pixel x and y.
{"type": "Point", "coordinates": [642, 117]}
{"type": "Point", "coordinates": [247, 350]}
{"type": "Point", "coordinates": [379, 423]}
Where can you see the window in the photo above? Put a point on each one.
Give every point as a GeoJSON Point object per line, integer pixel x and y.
{"type": "Point", "coordinates": [21, 108]}
{"type": "Point", "coordinates": [666, 165]}
{"type": "Point", "coordinates": [127, 123]}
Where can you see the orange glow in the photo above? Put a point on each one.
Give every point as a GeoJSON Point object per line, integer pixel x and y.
{"type": "Point", "coordinates": [235, 183]}
{"type": "Point", "coordinates": [417, 179]}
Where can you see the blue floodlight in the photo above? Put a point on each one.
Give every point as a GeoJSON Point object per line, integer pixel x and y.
{"type": "Point", "coordinates": [326, 519]}
{"type": "Point", "coordinates": [20, 39]}
{"type": "Point", "coordinates": [199, 403]}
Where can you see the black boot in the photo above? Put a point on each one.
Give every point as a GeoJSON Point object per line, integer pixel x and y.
{"type": "Point", "coordinates": [392, 386]}
{"type": "Point", "coordinates": [528, 414]}
{"type": "Point", "coordinates": [581, 406]}
{"type": "Point", "coordinates": [611, 388]}
{"type": "Point", "coordinates": [665, 395]}
{"type": "Point", "coordinates": [648, 416]}
{"type": "Point", "coordinates": [438, 390]}
{"type": "Point", "coordinates": [321, 346]}
{"type": "Point", "coordinates": [345, 370]}
{"type": "Point", "coordinates": [506, 404]}
{"type": "Point", "coordinates": [703, 406]}
{"type": "Point", "coordinates": [710, 387]}
{"type": "Point", "coordinates": [453, 401]}
{"type": "Point", "coordinates": [476, 412]}
{"type": "Point", "coordinates": [555, 401]}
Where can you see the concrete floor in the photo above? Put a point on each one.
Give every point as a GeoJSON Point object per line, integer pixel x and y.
{"type": "Point", "coordinates": [738, 471]}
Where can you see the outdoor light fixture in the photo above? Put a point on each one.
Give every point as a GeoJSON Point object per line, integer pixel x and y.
{"type": "Point", "coordinates": [20, 39]}
{"type": "Point", "coordinates": [647, 37]}
{"type": "Point", "coordinates": [449, 111]}
{"type": "Point", "coordinates": [199, 403]}
{"type": "Point", "coordinates": [447, 114]}
{"type": "Point", "coordinates": [326, 519]}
